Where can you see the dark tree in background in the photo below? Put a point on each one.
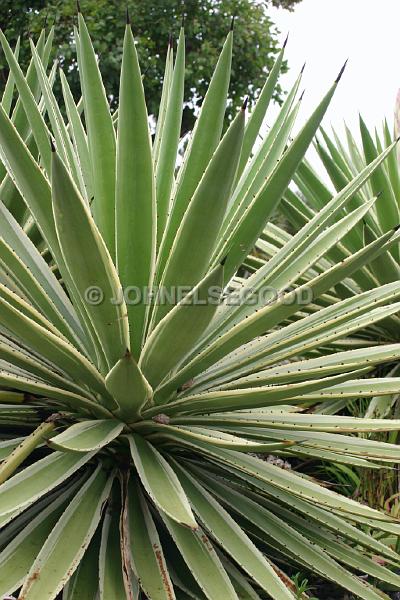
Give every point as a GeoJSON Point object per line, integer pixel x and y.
{"type": "Point", "coordinates": [206, 25]}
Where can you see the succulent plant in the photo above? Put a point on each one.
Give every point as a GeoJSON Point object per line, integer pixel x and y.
{"type": "Point", "coordinates": [135, 426]}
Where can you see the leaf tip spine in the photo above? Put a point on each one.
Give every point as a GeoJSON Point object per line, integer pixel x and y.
{"type": "Point", "coordinates": [338, 78]}
{"type": "Point", "coordinates": [286, 41]}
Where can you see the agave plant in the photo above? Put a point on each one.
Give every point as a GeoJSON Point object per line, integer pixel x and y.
{"type": "Point", "coordinates": [134, 433]}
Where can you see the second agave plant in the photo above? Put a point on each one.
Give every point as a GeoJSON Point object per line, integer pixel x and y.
{"type": "Point", "coordinates": [134, 429]}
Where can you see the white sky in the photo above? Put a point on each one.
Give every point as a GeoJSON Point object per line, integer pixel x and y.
{"type": "Point", "coordinates": [326, 32]}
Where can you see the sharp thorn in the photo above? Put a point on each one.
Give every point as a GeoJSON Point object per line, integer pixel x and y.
{"type": "Point", "coordinates": [78, 7]}
{"type": "Point", "coordinates": [52, 146]}
{"type": "Point", "coordinates": [341, 72]}
{"type": "Point", "coordinates": [232, 22]}
{"type": "Point", "coordinates": [245, 102]}
{"type": "Point", "coordinates": [128, 19]}
{"type": "Point", "coordinates": [286, 40]}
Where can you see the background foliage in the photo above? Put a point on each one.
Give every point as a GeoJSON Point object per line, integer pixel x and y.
{"type": "Point", "coordinates": [207, 22]}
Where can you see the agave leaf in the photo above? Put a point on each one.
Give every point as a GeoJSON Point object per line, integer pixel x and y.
{"type": "Point", "coordinates": [258, 113]}
{"type": "Point", "coordinates": [232, 538]}
{"type": "Point", "coordinates": [284, 307]}
{"type": "Point", "coordinates": [167, 147]}
{"type": "Point", "coordinates": [293, 541]}
{"type": "Point", "coordinates": [36, 121]}
{"type": "Point", "coordinates": [289, 481]}
{"type": "Point", "coordinates": [387, 209]}
{"type": "Point", "coordinates": [46, 342]}
{"type": "Point", "coordinates": [252, 223]}
{"type": "Point", "coordinates": [7, 446]}
{"type": "Point", "coordinates": [166, 88]}
{"type": "Point", "coordinates": [160, 481]}
{"type": "Point", "coordinates": [239, 581]}
{"type": "Point", "coordinates": [263, 162]}
{"type": "Point", "coordinates": [101, 137]}
{"type": "Point", "coordinates": [202, 559]}
{"type": "Point", "coordinates": [84, 583]}
{"type": "Point", "coordinates": [219, 438]}
{"type": "Point", "coordinates": [38, 479]}
{"type": "Point", "coordinates": [203, 141]}
{"type": "Point", "coordinates": [179, 330]}
{"type": "Point", "coordinates": [111, 581]}
{"type": "Point", "coordinates": [128, 386]}
{"type": "Point", "coordinates": [8, 92]}
{"type": "Point", "coordinates": [18, 556]}
{"type": "Point", "coordinates": [57, 560]}
{"type": "Point", "coordinates": [135, 199]}
{"type": "Point", "coordinates": [87, 436]}
{"type": "Point", "coordinates": [62, 137]}
{"type": "Point", "coordinates": [195, 239]}
{"type": "Point", "coordinates": [79, 137]}
{"type": "Point", "coordinates": [10, 464]}
{"type": "Point", "coordinates": [27, 254]}
{"type": "Point", "coordinates": [23, 381]}
{"type": "Point", "coordinates": [80, 239]}
{"type": "Point", "coordinates": [145, 548]}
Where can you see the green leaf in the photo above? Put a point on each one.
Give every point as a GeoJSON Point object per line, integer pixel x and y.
{"type": "Point", "coordinates": [111, 580]}
{"type": "Point", "coordinates": [38, 479]}
{"type": "Point", "coordinates": [160, 481]}
{"type": "Point", "coordinates": [135, 193]}
{"type": "Point", "coordinates": [129, 388]}
{"type": "Point", "coordinates": [169, 139]}
{"type": "Point", "coordinates": [204, 140]}
{"type": "Point", "coordinates": [232, 538]}
{"type": "Point", "coordinates": [197, 234]}
{"type": "Point", "coordinates": [10, 464]}
{"type": "Point", "coordinates": [178, 331]}
{"type": "Point", "coordinates": [57, 561]}
{"type": "Point", "coordinates": [101, 137]}
{"type": "Point", "coordinates": [84, 583]}
{"type": "Point", "coordinates": [202, 559]}
{"type": "Point", "coordinates": [87, 436]}
{"type": "Point", "coordinates": [258, 113]}
{"type": "Point", "coordinates": [18, 556]}
{"type": "Point", "coordinates": [253, 221]}
{"type": "Point", "coordinates": [89, 263]}
{"type": "Point", "coordinates": [145, 548]}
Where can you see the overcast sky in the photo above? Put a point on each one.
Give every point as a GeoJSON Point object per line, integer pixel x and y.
{"type": "Point", "coordinates": [326, 32]}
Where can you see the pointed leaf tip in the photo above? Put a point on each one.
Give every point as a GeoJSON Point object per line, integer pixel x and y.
{"type": "Point", "coordinates": [302, 95]}
{"type": "Point", "coordinates": [302, 68]}
{"type": "Point", "coordinates": [245, 102]}
{"type": "Point", "coordinates": [341, 72]}
{"type": "Point", "coordinates": [286, 41]}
